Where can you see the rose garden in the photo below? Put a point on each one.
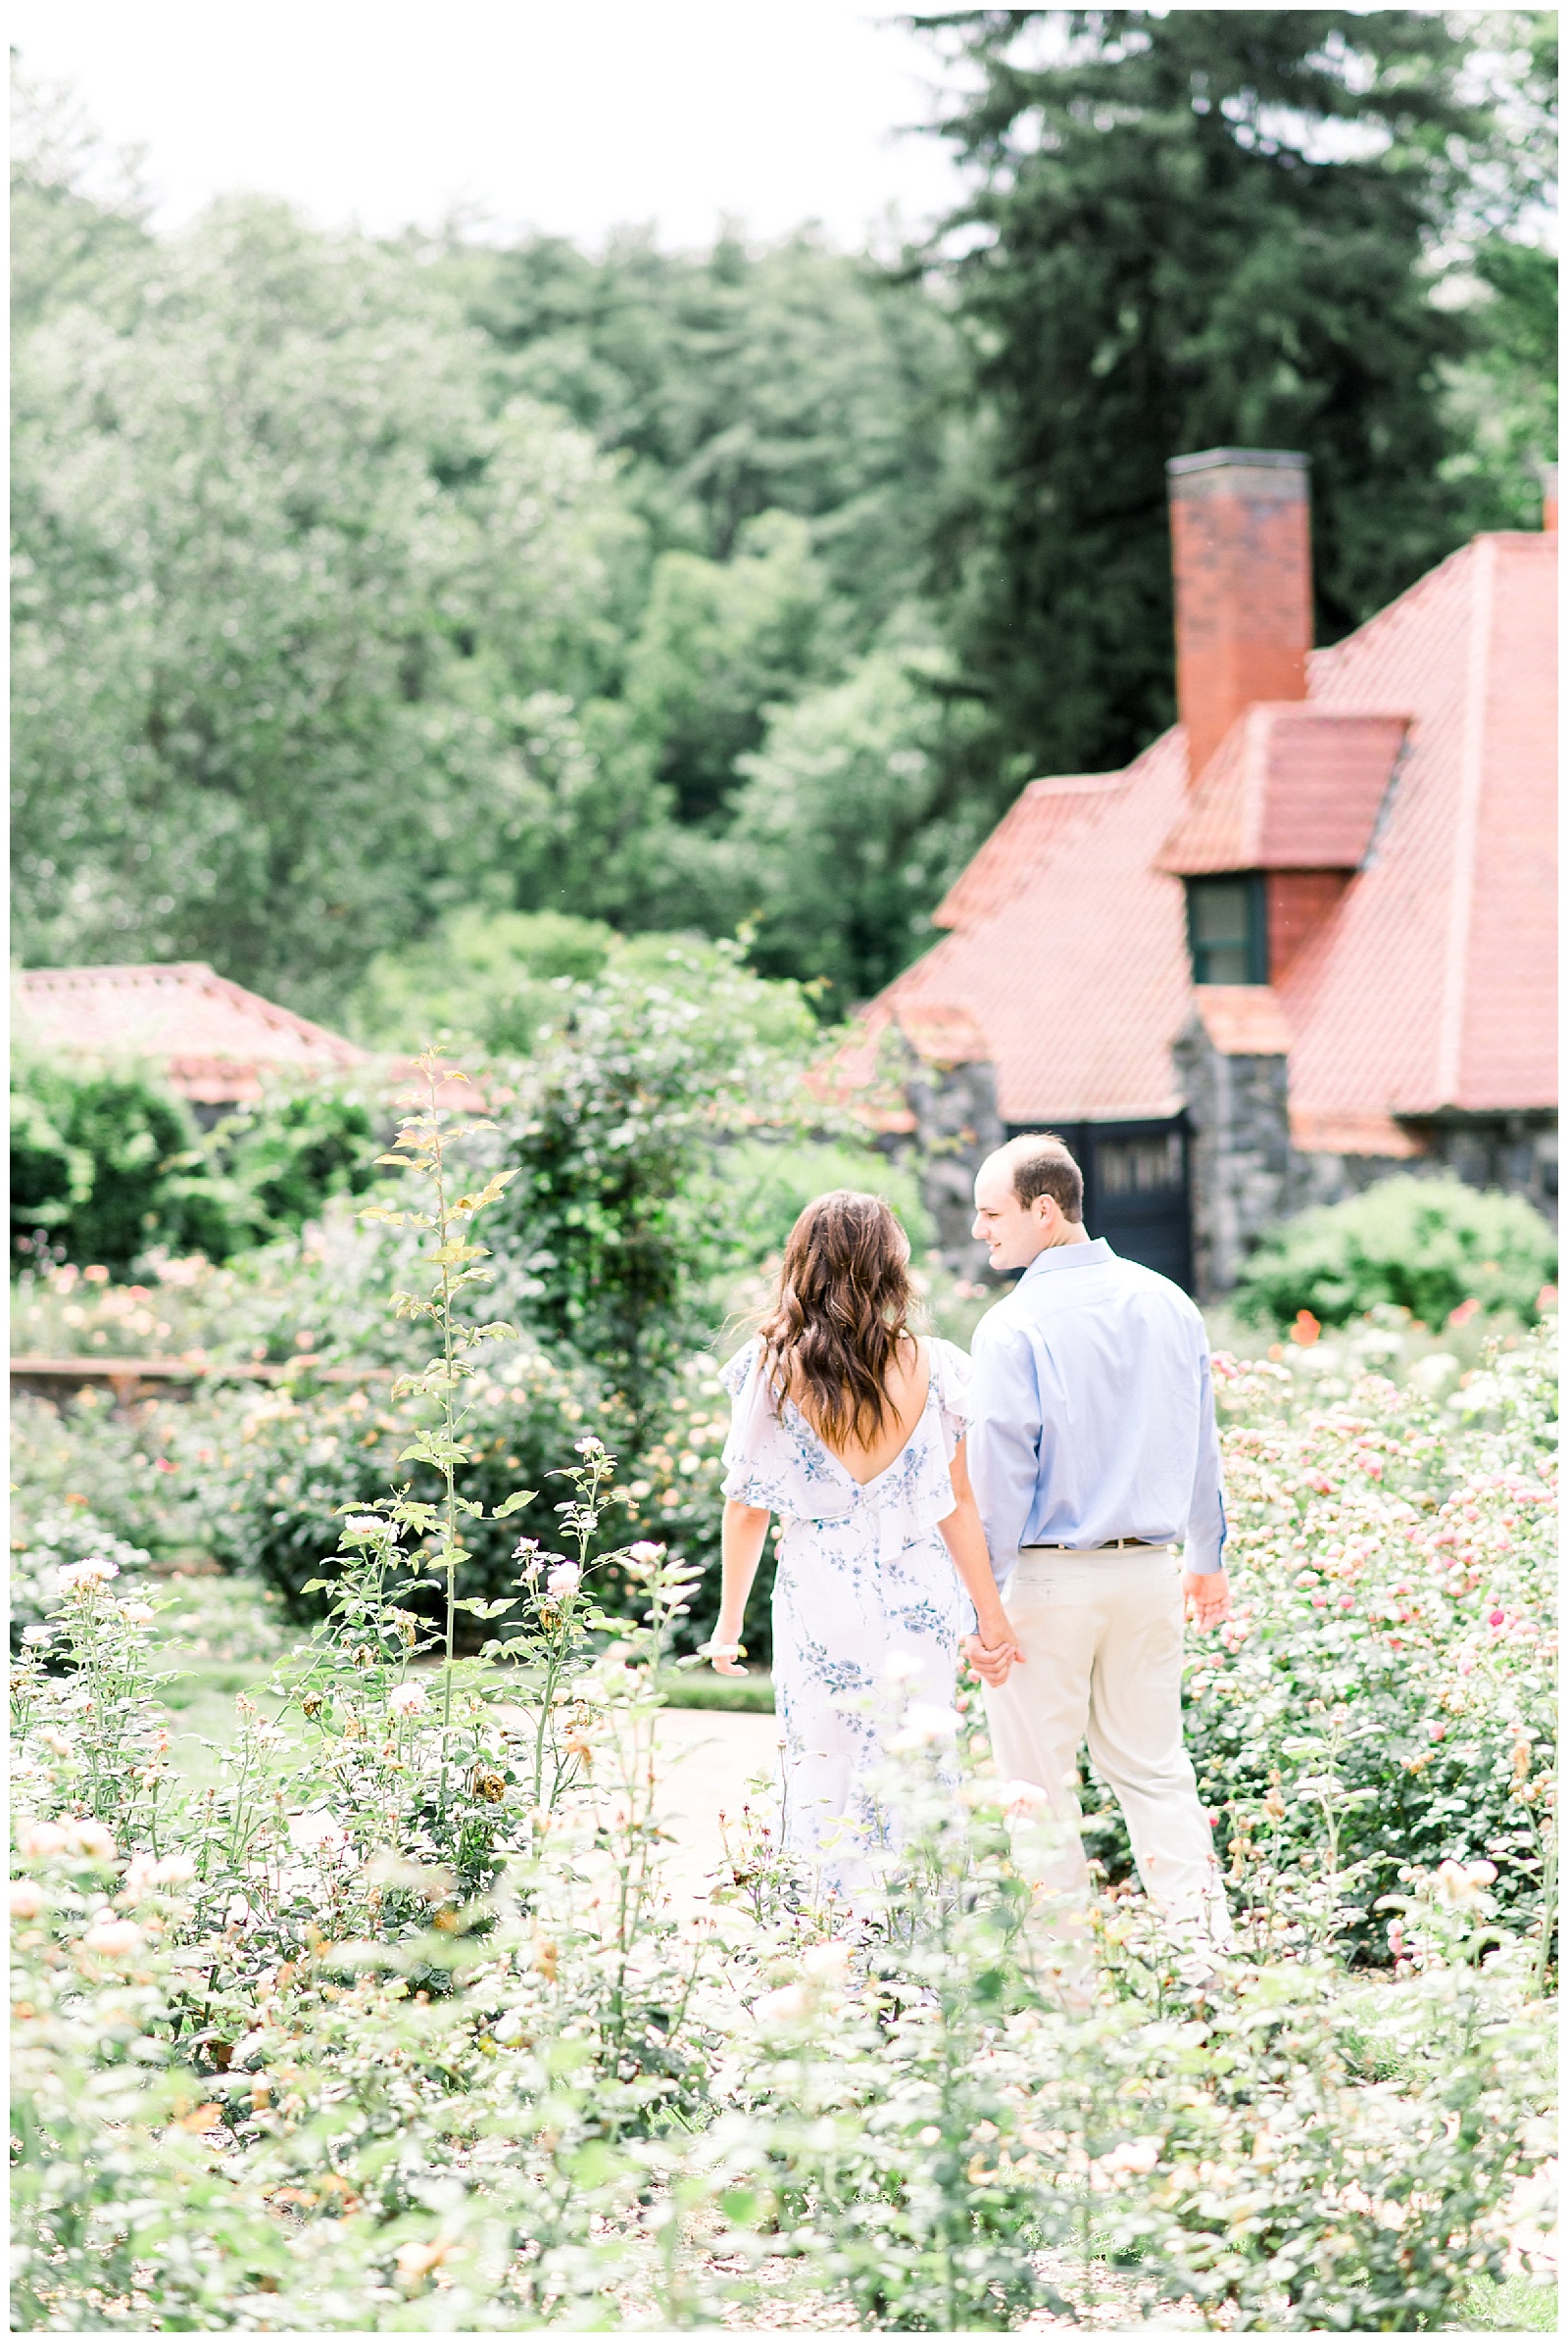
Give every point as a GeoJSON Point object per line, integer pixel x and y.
{"type": "Point", "coordinates": [370, 2007]}
{"type": "Point", "coordinates": [784, 712]}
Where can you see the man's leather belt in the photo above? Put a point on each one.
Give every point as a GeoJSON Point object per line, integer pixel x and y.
{"type": "Point", "coordinates": [1106, 1544]}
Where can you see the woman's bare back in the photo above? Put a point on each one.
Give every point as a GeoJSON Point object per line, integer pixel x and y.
{"type": "Point", "coordinates": [907, 1386]}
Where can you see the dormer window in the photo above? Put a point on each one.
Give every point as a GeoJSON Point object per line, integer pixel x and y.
{"type": "Point", "coordinates": [1227, 929]}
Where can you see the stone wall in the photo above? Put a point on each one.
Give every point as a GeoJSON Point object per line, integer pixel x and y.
{"type": "Point", "coordinates": [956, 1127]}
{"type": "Point", "coordinates": [1514, 1152]}
{"type": "Point", "coordinates": [1245, 1173]}
{"type": "Point", "coordinates": [1243, 1167]}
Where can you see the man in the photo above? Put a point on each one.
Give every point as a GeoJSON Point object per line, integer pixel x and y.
{"type": "Point", "coordinates": [1093, 1454]}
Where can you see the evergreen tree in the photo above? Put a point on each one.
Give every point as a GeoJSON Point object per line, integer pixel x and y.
{"type": "Point", "coordinates": [1193, 228]}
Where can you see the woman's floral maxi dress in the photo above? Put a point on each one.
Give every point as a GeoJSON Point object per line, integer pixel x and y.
{"type": "Point", "coordinates": [863, 1575]}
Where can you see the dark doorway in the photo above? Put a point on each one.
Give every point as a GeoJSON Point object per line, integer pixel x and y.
{"type": "Point", "coordinates": [1136, 1189]}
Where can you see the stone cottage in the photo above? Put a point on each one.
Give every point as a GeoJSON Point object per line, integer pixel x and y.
{"type": "Point", "coordinates": [1307, 938]}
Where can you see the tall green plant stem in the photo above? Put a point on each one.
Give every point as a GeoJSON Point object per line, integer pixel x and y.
{"type": "Point", "coordinates": [449, 1423]}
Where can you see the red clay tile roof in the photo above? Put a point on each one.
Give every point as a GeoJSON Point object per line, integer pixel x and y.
{"type": "Point", "coordinates": [214, 1041]}
{"type": "Point", "coordinates": [1353, 1133]}
{"type": "Point", "coordinates": [1243, 1020]}
{"type": "Point", "coordinates": [1431, 985]}
{"type": "Point", "coordinates": [1434, 985]}
{"type": "Point", "coordinates": [1292, 787]}
{"type": "Point", "coordinates": [1078, 979]}
{"type": "Point", "coordinates": [1020, 845]}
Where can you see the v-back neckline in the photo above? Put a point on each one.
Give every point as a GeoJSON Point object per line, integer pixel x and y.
{"type": "Point", "coordinates": [914, 1432]}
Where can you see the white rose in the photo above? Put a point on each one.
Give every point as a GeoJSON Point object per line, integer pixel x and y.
{"type": "Point", "coordinates": [786, 2007]}
{"type": "Point", "coordinates": [319, 1832]}
{"type": "Point", "coordinates": [114, 1939]}
{"type": "Point", "coordinates": [93, 1572]}
{"type": "Point", "coordinates": [92, 1839]}
{"type": "Point", "coordinates": [37, 1841]}
{"type": "Point", "coordinates": [924, 1725]}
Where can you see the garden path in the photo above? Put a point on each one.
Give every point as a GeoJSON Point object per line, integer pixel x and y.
{"type": "Point", "coordinates": [705, 1758]}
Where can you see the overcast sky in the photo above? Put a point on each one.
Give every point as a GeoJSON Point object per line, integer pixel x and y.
{"type": "Point", "coordinates": [570, 115]}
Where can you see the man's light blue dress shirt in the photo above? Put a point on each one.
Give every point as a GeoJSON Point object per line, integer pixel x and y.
{"type": "Point", "coordinates": [1094, 1412]}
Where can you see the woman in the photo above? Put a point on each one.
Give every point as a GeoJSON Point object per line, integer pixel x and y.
{"type": "Point", "coordinates": [851, 1430]}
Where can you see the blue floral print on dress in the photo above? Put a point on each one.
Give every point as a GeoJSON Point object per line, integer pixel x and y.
{"type": "Point", "coordinates": [863, 1575]}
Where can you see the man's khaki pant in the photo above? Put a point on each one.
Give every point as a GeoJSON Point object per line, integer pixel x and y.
{"type": "Point", "coordinates": [1102, 1634]}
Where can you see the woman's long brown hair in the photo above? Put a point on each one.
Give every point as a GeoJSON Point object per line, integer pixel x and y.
{"type": "Point", "coordinates": [844, 1300]}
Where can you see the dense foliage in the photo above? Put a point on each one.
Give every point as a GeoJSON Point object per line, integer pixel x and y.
{"type": "Point", "coordinates": [393, 2023]}
{"type": "Point", "coordinates": [611, 1134]}
{"type": "Point", "coordinates": [104, 1166]}
{"type": "Point", "coordinates": [360, 583]}
{"type": "Point", "coordinates": [1426, 1246]}
{"type": "Point", "coordinates": [1200, 227]}
{"type": "Point", "coordinates": [652, 1165]}
{"type": "Point", "coordinates": [107, 1165]}
{"type": "Point", "coordinates": [1386, 1691]}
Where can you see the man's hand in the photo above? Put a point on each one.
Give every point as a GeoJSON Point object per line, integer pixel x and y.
{"type": "Point", "coordinates": [1208, 1596]}
{"type": "Point", "coordinates": [993, 1653]}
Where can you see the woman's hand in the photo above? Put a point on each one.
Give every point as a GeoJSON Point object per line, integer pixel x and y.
{"type": "Point", "coordinates": [994, 1652]}
{"type": "Point", "coordinates": [744, 1531]}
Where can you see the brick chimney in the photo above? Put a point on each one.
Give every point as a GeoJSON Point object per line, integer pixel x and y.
{"type": "Point", "coordinates": [1243, 562]}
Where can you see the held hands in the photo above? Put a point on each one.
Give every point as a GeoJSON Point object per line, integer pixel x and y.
{"type": "Point", "coordinates": [1207, 1596]}
{"type": "Point", "coordinates": [993, 1651]}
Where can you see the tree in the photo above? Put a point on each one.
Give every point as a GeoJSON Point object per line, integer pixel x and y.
{"type": "Point", "coordinates": [1504, 397]}
{"type": "Point", "coordinates": [719, 643]}
{"type": "Point", "coordinates": [1191, 228]}
{"type": "Point", "coordinates": [742, 381]}
{"type": "Point", "coordinates": [288, 596]}
{"type": "Point", "coordinates": [77, 211]}
{"type": "Point", "coordinates": [613, 1219]}
{"type": "Point", "coordinates": [846, 834]}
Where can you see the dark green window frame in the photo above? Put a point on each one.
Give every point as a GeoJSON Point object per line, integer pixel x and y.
{"type": "Point", "coordinates": [1227, 929]}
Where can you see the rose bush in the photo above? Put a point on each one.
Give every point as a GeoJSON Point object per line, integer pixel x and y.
{"type": "Point", "coordinates": [1385, 1693]}
{"type": "Point", "coordinates": [391, 2024]}
{"type": "Point", "coordinates": [395, 2027]}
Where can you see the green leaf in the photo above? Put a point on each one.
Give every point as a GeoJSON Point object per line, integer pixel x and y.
{"type": "Point", "coordinates": [436, 1451]}
{"type": "Point", "coordinates": [513, 1503]}
{"type": "Point", "coordinates": [486, 1194]}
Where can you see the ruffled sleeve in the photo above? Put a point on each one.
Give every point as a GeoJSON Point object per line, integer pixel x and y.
{"type": "Point", "coordinates": [771, 1457]}
{"type": "Point", "coordinates": [950, 1379]}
